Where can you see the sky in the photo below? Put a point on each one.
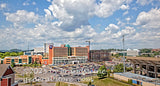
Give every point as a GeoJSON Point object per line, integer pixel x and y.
{"type": "Point", "coordinates": [103, 22]}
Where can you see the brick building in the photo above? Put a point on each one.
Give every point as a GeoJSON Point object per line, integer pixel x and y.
{"type": "Point", "coordinates": [99, 55]}
{"type": "Point", "coordinates": [155, 50]}
{"type": "Point", "coordinates": [66, 54]}
{"type": "Point", "coordinates": [23, 59]}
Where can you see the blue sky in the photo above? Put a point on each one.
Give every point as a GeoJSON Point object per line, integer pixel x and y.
{"type": "Point", "coordinates": [103, 22]}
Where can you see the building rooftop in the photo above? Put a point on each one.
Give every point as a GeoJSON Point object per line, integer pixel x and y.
{"type": "Point", "coordinates": [12, 57]}
{"type": "Point", "coordinates": [139, 77]}
{"type": "Point", "coordinates": [3, 68]}
{"type": "Point", "coordinates": [144, 58]}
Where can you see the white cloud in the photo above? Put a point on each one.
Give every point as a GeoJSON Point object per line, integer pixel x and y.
{"type": "Point", "coordinates": [124, 7]}
{"type": "Point", "coordinates": [112, 28]}
{"type": "Point", "coordinates": [49, 0]}
{"type": "Point", "coordinates": [125, 13]}
{"type": "Point", "coordinates": [72, 25]}
{"type": "Point", "coordinates": [128, 19]}
{"type": "Point", "coordinates": [48, 13]}
{"type": "Point", "coordinates": [25, 4]}
{"type": "Point", "coordinates": [74, 13]}
{"type": "Point", "coordinates": [144, 2]}
{"type": "Point", "coordinates": [107, 7]}
{"type": "Point", "coordinates": [148, 22]}
{"type": "Point", "coordinates": [21, 17]}
{"type": "Point", "coordinates": [146, 39]}
{"type": "Point", "coordinates": [134, 8]}
{"type": "Point", "coordinates": [149, 19]}
{"type": "Point", "coordinates": [33, 3]}
{"type": "Point", "coordinates": [127, 31]}
{"type": "Point", "coordinates": [128, 1]}
{"type": "Point", "coordinates": [3, 6]}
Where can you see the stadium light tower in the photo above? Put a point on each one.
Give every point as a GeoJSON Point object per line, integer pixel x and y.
{"type": "Point", "coordinates": [88, 43]}
{"type": "Point", "coordinates": [89, 47]}
{"type": "Point", "coordinates": [123, 54]}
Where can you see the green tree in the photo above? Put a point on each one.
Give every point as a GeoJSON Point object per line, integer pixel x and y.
{"type": "Point", "coordinates": [89, 84]}
{"type": "Point", "coordinates": [118, 68]}
{"type": "Point", "coordinates": [25, 75]}
{"type": "Point", "coordinates": [31, 77]}
{"type": "Point", "coordinates": [102, 72]}
{"type": "Point", "coordinates": [13, 54]}
{"type": "Point", "coordinates": [145, 50]}
{"type": "Point", "coordinates": [116, 55]}
{"type": "Point", "coordinates": [129, 68]}
{"type": "Point", "coordinates": [35, 64]}
{"type": "Point", "coordinates": [6, 54]}
{"type": "Point", "coordinates": [20, 53]}
{"type": "Point", "coordinates": [108, 72]}
{"type": "Point", "coordinates": [12, 64]}
{"type": "Point", "coordinates": [2, 55]}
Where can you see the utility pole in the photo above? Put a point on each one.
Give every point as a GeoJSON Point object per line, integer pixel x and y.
{"type": "Point", "coordinates": [123, 55]}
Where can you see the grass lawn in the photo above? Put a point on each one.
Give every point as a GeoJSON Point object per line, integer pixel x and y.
{"type": "Point", "coordinates": [106, 82]}
{"type": "Point", "coordinates": [64, 84]}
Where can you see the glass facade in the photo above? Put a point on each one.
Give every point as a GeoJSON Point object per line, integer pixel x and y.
{"type": "Point", "coordinates": [1, 61]}
{"type": "Point", "coordinates": [20, 60]}
{"type": "Point", "coordinates": [30, 60]}
{"type": "Point", "coordinates": [12, 60]}
{"type": "Point", "coordinates": [69, 60]}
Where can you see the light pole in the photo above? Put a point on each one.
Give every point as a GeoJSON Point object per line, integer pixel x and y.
{"type": "Point", "coordinates": [89, 47]}
{"type": "Point", "coordinates": [123, 55]}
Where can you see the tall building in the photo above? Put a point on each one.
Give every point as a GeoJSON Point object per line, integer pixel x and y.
{"type": "Point", "coordinates": [46, 49]}
{"type": "Point", "coordinates": [66, 54]}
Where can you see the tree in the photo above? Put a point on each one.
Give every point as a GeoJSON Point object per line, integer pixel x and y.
{"type": "Point", "coordinates": [20, 53]}
{"type": "Point", "coordinates": [13, 54]}
{"type": "Point", "coordinates": [35, 64]}
{"type": "Point", "coordinates": [145, 50]}
{"type": "Point", "coordinates": [12, 64]}
{"type": "Point", "coordinates": [118, 68]}
{"type": "Point", "coordinates": [31, 77]}
{"type": "Point", "coordinates": [102, 72]}
{"type": "Point", "coordinates": [6, 54]}
{"type": "Point", "coordinates": [129, 68]}
{"type": "Point", "coordinates": [89, 84]}
{"type": "Point", "coordinates": [116, 55]}
{"type": "Point", "coordinates": [108, 72]}
{"type": "Point", "coordinates": [2, 55]}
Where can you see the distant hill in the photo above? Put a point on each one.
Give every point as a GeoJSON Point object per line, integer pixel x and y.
{"type": "Point", "coordinates": [14, 50]}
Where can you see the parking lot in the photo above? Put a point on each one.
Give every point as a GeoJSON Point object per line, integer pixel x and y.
{"type": "Point", "coordinates": [65, 73]}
